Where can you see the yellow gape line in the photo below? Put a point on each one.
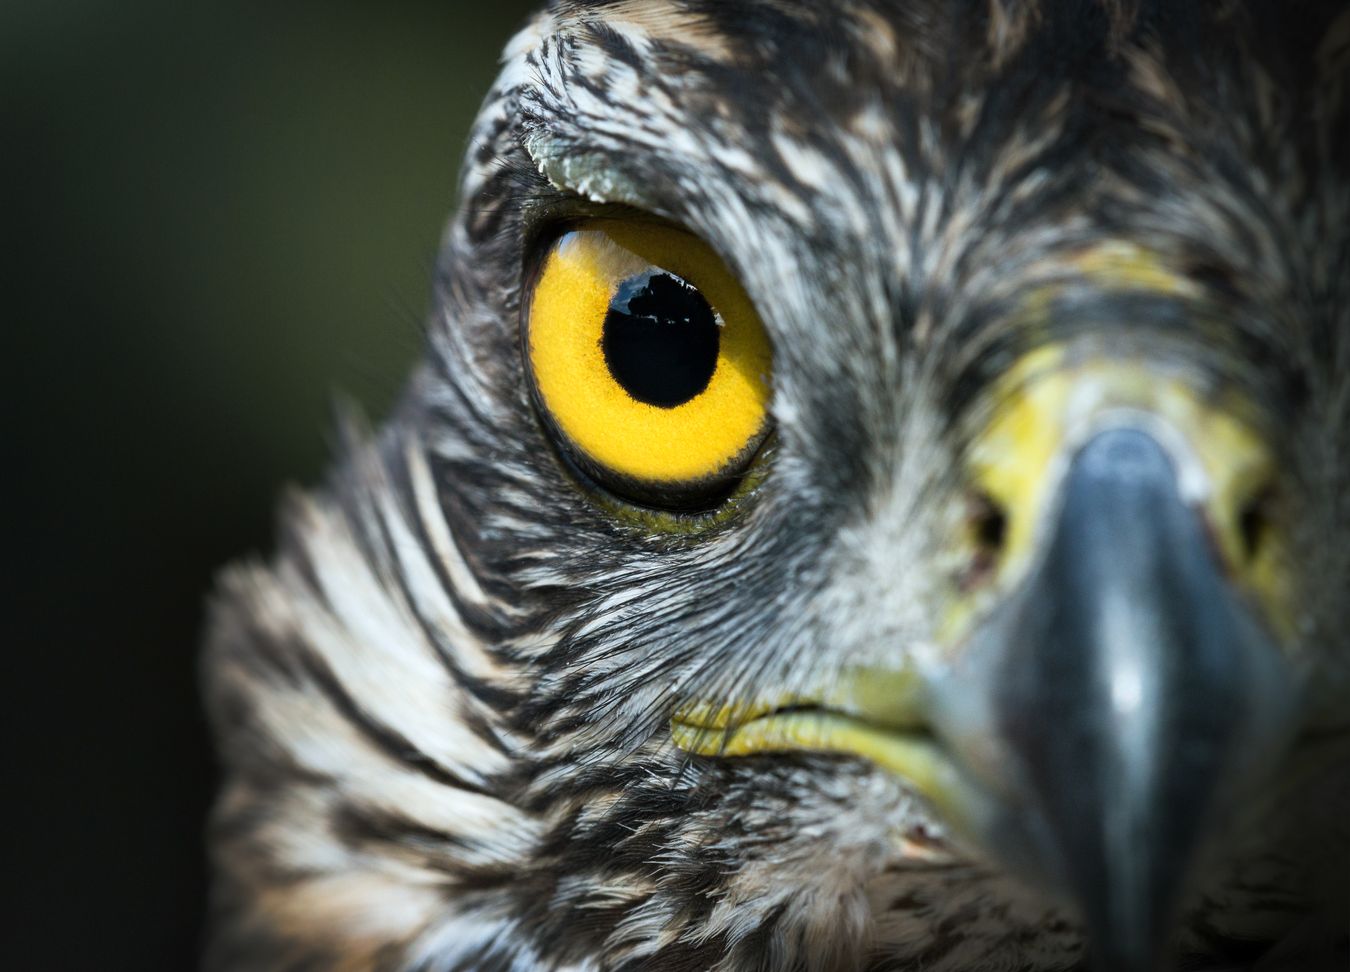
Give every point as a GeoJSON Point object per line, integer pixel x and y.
{"type": "Point", "coordinates": [627, 311]}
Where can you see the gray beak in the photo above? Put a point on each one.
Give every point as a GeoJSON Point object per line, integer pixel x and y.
{"type": "Point", "coordinates": [1117, 702]}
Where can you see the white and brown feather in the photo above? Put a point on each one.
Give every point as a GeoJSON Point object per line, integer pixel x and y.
{"type": "Point", "coordinates": [442, 706]}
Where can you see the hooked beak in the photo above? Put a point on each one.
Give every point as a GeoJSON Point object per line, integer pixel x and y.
{"type": "Point", "coordinates": [1116, 701]}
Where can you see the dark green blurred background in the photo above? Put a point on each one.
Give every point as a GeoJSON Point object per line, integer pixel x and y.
{"type": "Point", "coordinates": [217, 215]}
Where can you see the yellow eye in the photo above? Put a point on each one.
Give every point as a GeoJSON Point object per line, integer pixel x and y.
{"type": "Point", "coordinates": [648, 357]}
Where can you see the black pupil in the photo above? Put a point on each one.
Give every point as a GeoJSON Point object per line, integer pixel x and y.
{"type": "Point", "coordinates": [660, 339]}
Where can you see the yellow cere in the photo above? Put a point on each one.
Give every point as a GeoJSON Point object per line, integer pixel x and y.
{"type": "Point", "coordinates": [687, 443]}
{"type": "Point", "coordinates": [1047, 402]}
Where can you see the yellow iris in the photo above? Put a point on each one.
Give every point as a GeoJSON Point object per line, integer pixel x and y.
{"type": "Point", "coordinates": [607, 288]}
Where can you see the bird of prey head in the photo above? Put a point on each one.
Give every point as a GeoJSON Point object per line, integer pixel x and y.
{"type": "Point", "coordinates": [876, 496]}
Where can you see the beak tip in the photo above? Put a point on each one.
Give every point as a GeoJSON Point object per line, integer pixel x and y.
{"type": "Point", "coordinates": [1123, 946]}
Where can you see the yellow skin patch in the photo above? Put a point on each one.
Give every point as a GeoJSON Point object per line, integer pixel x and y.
{"type": "Point", "coordinates": [1050, 399]}
{"type": "Point", "coordinates": [1048, 403]}
{"type": "Point", "coordinates": [913, 756]}
{"type": "Point", "coordinates": [1121, 265]}
{"type": "Point", "coordinates": [890, 698]}
{"type": "Point", "coordinates": [691, 442]}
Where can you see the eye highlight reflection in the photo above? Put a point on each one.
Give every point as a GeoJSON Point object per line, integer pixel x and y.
{"type": "Point", "coordinates": [661, 339]}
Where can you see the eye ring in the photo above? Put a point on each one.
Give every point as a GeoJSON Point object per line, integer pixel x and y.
{"type": "Point", "coordinates": [648, 362]}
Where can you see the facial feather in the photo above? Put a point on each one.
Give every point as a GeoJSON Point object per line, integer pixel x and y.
{"type": "Point", "coordinates": [443, 707]}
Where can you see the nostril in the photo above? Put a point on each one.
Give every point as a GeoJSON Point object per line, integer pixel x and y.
{"type": "Point", "coordinates": [987, 523]}
{"type": "Point", "coordinates": [991, 525]}
{"type": "Point", "coordinates": [1254, 522]}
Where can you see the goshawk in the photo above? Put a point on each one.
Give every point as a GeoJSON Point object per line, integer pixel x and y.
{"type": "Point", "coordinates": [876, 495]}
